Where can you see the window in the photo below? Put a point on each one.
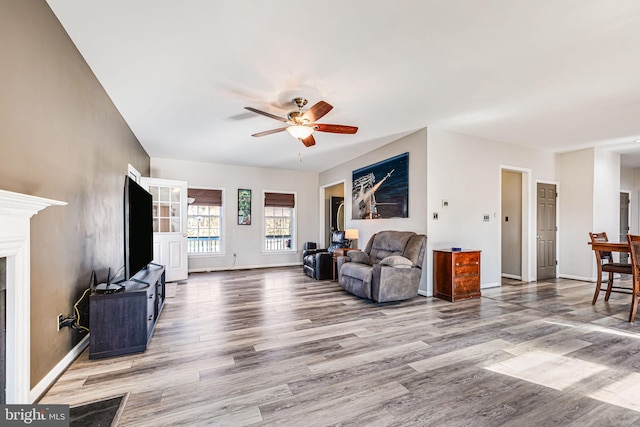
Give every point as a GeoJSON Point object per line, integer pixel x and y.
{"type": "Point", "coordinates": [204, 221]}
{"type": "Point", "coordinates": [166, 210]}
{"type": "Point", "coordinates": [279, 222]}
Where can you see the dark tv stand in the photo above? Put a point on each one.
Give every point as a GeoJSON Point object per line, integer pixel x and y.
{"type": "Point", "coordinates": [122, 322]}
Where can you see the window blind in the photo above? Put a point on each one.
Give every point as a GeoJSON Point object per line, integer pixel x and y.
{"type": "Point", "coordinates": [205, 197]}
{"type": "Point", "coordinates": [279, 200]}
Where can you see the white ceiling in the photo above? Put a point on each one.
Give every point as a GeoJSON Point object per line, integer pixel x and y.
{"type": "Point", "coordinates": [550, 74]}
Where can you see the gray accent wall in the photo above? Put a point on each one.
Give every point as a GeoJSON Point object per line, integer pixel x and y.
{"type": "Point", "coordinates": [62, 138]}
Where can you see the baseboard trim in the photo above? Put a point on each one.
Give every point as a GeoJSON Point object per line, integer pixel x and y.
{"type": "Point", "coordinates": [48, 380]}
{"type": "Point", "coordinates": [243, 267]}
{"type": "Point", "coordinates": [490, 285]}
{"type": "Point", "coordinates": [581, 278]}
{"type": "Point", "coordinates": [423, 293]}
{"type": "Point", "coordinates": [511, 276]}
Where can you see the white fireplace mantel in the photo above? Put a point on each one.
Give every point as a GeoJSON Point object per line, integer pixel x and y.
{"type": "Point", "coordinates": [16, 211]}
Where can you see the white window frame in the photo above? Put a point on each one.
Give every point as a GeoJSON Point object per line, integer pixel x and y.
{"type": "Point", "coordinates": [294, 227]}
{"type": "Point", "coordinates": [223, 231]}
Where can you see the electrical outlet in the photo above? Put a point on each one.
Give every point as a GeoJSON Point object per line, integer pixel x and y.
{"type": "Point", "coordinates": [59, 321]}
{"type": "Point", "coordinates": [435, 215]}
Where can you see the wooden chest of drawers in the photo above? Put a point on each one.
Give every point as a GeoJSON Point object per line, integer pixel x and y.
{"type": "Point", "coordinates": [456, 274]}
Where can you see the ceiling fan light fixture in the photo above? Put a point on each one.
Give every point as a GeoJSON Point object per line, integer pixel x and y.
{"type": "Point", "coordinates": [300, 131]}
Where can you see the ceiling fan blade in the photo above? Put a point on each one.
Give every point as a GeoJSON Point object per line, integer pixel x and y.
{"type": "Point", "coordinates": [269, 132]}
{"type": "Point", "coordinates": [317, 111]}
{"type": "Point", "coordinates": [336, 128]}
{"type": "Point", "coordinates": [309, 141]}
{"type": "Point", "coordinates": [264, 113]}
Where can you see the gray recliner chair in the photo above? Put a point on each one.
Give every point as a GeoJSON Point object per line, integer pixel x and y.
{"type": "Point", "coordinates": [388, 269]}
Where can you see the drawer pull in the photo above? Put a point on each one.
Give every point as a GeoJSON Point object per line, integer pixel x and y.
{"type": "Point", "coordinates": [457, 264]}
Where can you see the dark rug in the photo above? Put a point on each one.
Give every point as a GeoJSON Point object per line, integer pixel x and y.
{"type": "Point", "coordinates": [103, 413]}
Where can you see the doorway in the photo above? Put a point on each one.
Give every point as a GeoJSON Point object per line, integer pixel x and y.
{"type": "Point", "coordinates": [546, 231]}
{"type": "Point", "coordinates": [333, 211]}
{"type": "Point", "coordinates": [336, 220]}
{"type": "Point", "coordinates": [511, 226]}
{"type": "Point", "coordinates": [169, 226]}
{"type": "Point", "coordinates": [521, 214]}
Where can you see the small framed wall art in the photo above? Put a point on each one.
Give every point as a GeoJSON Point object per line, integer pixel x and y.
{"type": "Point", "coordinates": [244, 207]}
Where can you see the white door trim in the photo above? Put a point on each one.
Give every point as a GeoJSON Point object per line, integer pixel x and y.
{"type": "Point", "coordinates": [528, 210]}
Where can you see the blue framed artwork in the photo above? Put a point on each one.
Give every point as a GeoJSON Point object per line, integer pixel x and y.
{"type": "Point", "coordinates": [381, 190]}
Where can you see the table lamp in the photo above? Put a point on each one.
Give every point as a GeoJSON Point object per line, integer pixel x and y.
{"type": "Point", "coordinates": [351, 234]}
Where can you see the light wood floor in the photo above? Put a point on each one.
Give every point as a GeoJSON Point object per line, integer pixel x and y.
{"type": "Point", "coordinates": [273, 347]}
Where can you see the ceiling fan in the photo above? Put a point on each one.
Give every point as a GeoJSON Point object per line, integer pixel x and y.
{"type": "Point", "coordinates": [302, 124]}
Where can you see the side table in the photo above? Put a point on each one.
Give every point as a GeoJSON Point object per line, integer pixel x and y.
{"type": "Point", "coordinates": [338, 252]}
{"type": "Point", "coordinates": [456, 274]}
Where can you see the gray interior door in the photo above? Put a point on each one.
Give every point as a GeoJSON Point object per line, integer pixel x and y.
{"type": "Point", "coordinates": [624, 223]}
{"type": "Point", "coordinates": [546, 231]}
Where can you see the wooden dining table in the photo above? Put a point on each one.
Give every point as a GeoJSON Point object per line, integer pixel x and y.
{"type": "Point", "coordinates": [617, 247]}
{"type": "Point", "coordinates": [610, 246]}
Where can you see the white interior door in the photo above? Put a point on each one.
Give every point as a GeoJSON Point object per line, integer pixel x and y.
{"type": "Point", "coordinates": [169, 225]}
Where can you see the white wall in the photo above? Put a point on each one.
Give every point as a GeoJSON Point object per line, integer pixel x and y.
{"type": "Point", "coordinates": [626, 179]}
{"type": "Point", "coordinates": [606, 195]}
{"type": "Point", "coordinates": [466, 171]}
{"type": "Point", "coordinates": [576, 200]}
{"type": "Point", "coordinates": [247, 240]}
{"type": "Point", "coordinates": [416, 145]}
{"type": "Point", "coordinates": [590, 202]}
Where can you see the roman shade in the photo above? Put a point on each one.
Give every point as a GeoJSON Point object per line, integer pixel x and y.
{"type": "Point", "coordinates": [205, 197]}
{"type": "Point", "coordinates": [280, 200]}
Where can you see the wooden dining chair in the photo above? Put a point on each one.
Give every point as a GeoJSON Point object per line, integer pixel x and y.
{"type": "Point", "coordinates": [605, 264]}
{"type": "Point", "coordinates": [634, 250]}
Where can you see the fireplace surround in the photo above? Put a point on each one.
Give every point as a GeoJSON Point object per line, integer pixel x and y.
{"type": "Point", "coordinates": [16, 211]}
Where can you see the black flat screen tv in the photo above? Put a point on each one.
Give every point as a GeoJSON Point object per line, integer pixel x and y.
{"type": "Point", "coordinates": [138, 228]}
